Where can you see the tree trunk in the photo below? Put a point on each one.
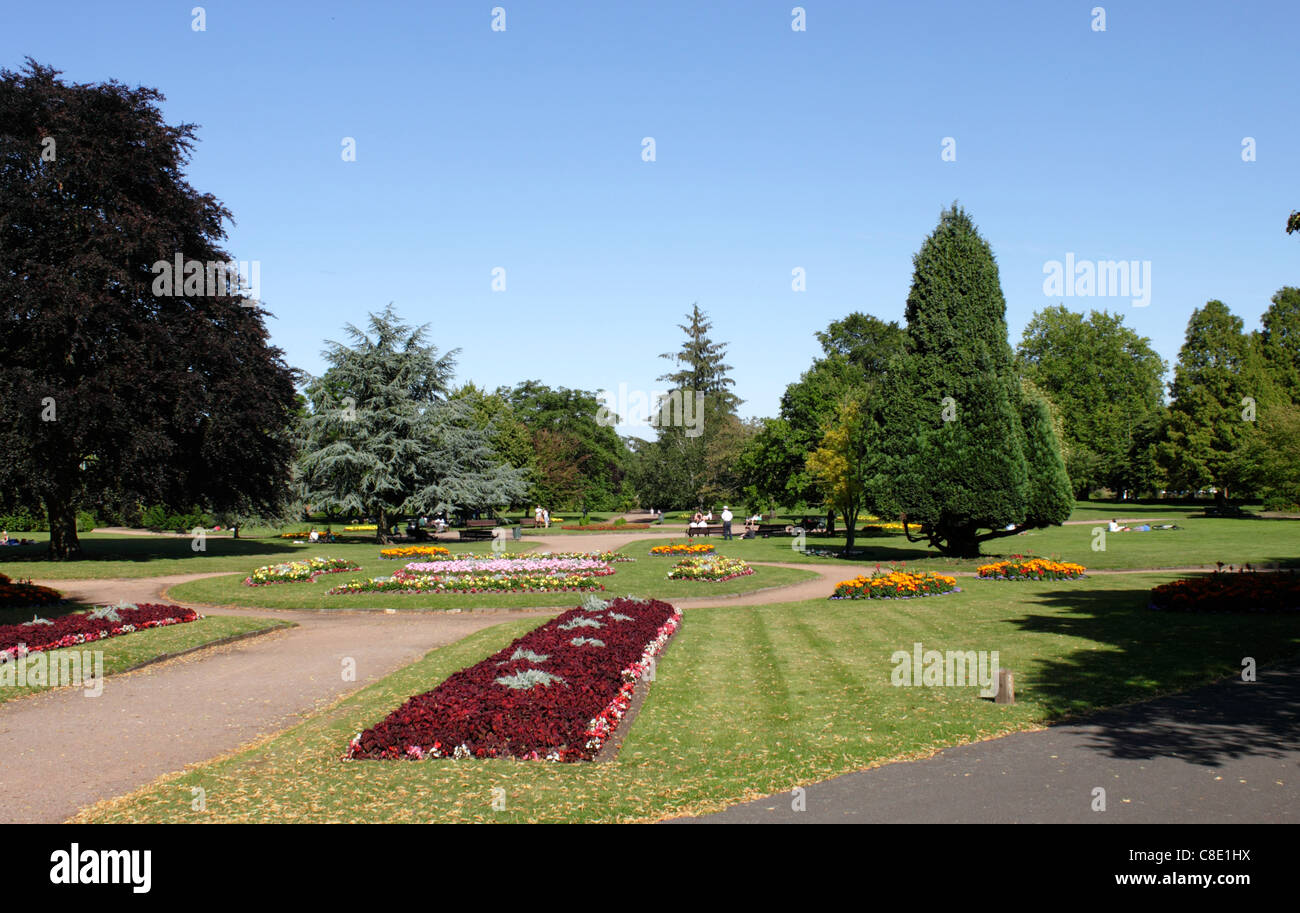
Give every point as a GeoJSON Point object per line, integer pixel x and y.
{"type": "Point", "coordinates": [830, 522]}
{"type": "Point", "coordinates": [64, 545]}
{"type": "Point", "coordinates": [961, 543]}
{"type": "Point", "coordinates": [851, 522]}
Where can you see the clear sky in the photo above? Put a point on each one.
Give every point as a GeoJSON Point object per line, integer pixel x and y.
{"type": "Point", "coordinates": [775, 149]}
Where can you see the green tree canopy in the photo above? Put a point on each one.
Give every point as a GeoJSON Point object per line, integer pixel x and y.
{"type": "Point", "coordinates": [1105, 380]}
{"type": "Point", "coordinates": [959, 464]}
{"type": "Point", "coordinates": [1220, 387]}
{"type": "Point", "coordinates": [1279, 341]}
{"type": "Point", "coordinates": [579, 461]}
{"type": "Point", "coordinates": [384, 440]}
{"type": "Point", "coordinates": [693, 457]}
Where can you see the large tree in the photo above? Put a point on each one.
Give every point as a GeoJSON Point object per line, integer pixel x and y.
{"type": "Point", "coordinates": [696, 417]}
{"type": "Point", "coordinates": [1221, 385]}
{"type": "Point", "coordinates": [1279, 341]}
{"type": "Point", "coordinates": [1105, 379]}
{"type": "Point", "coordinates": [845, 462]}
{"type": "Point", "coordinates": [384, 440]}
{"type": "Point", "coordinates": [579, 461]}
{"type": "Point", "coordinates": [856, 350]}
{"type": "Point", "coordinates": [959, 464]}
{"type": "Point", "coordinates": [112, 386]}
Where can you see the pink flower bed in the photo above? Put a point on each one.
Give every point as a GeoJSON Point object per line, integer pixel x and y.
{"type": "Point", "coordinates": [70, 630]}
{"type": "Point", "coordinates": [586, 566]}
{"type": "Point", "coordinates": [557, 693]}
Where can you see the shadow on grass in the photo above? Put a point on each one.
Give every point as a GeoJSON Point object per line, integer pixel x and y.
{"type": "Point", "coordinates": [1145, 653]}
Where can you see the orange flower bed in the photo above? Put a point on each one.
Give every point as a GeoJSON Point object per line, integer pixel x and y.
{"type": "Point", "coordinates": [896, 584]}
{"type": "Point", "coordinates": [20, 593]}
{"type": "Point", "coordinates": [1021, 568]}
{"type": "Point", "coordinates": [682, 548]}
{"type": "Point", "coordinates": [1245, 590]}
{"type": "Point", "coordinates": [416, 551]}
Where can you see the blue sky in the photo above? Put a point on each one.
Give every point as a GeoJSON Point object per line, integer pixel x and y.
{"type": "Point", "coordinates": [774, 149]}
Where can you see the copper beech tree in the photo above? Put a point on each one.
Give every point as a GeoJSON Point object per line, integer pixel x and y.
{"type": "Point", "coordinates": [109, 388]}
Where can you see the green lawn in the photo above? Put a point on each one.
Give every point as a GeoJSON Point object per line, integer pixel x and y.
{"type": "Point", "coordinates": [748, 701]}
{"type": "Point", "coordinates": [644, 577]}
{"type": "Point", "coordinates": [1199, 542]}
{"type": "Point", "coordinates": [109, 555]}
{"type": "Point", "coordinates": [127, 651]}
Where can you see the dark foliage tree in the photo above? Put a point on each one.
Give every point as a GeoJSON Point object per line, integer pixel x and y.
{"type": "Point", "coordinates": [110, 390]}
{"type": "Point", "coordinates": [959, 466]}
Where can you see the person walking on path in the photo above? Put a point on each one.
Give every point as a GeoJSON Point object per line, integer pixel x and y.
{"type": "Point", "coordinates": [726, 522]}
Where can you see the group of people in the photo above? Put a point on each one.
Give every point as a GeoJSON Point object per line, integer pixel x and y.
{"type": "Point", "coordinates": [542, 517]}
{"type": "Point", "coordinates": [5, 540]}
{"type": "Point", "coordinates": [702, 520]}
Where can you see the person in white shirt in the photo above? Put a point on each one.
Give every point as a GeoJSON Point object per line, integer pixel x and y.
{"type": "Point", "coordinates": [726, 522]}
{"type": "Point", "coordinates": [1113, 526]}
{"type": "Point", "coordinates": [546, 518]}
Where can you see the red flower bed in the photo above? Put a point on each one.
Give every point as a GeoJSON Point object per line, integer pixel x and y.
{"type": "Point", "coordinates": [1227, 591]}
{"type": "Point", "coordinates": [21, 593]}
{"type": "Point", "coordinates": [557, 693]}
{"type": "Point", "coordinates": [70, 630]}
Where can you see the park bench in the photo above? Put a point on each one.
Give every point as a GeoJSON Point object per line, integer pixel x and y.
{"type": "Point", "coordinates": [767, 530]}
{"type": "Point", "coordinates": [704, 530]}
{"type": "Point", "coordinates": [485, 524]}
{"type": "Point", "coordinates": [529, 523]}
{"type": "Point", "coordinates": [476, 534]}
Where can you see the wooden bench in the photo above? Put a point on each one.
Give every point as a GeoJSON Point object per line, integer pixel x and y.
{"type": "Point", "coordinates": [476, 534]}
{"type": "Point", "coordinates": [705, 530]}
{"type": "Point", "coordinates": [484, 524]}
{"type": "Point", "coordinates": [529, 523]}
{"type": "Point", "coordinates": [767, 530]}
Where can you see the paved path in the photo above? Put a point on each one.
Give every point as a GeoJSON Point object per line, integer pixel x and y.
{"type": "Point", "coordinates": [1224, 753]}
{"type": "Point", "coordinates": [62, 750]}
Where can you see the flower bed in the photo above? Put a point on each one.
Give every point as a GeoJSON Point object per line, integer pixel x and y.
{"type": "Point", "coordinates": [298, 571]}
{"type": "Point", "coordinates": [712, 569]}
{"type": "Point", "coordinates": [587, 567]}
{"type": "Point", "coordinates": [557, 693]}
{"type": "Point", "coordinates": [609, 557]}
{"type": "Point", "coordinates": [470, 583]}
{"type": "Point", "coordinates": [69, 630]}
{"type": "Point", "coordinates": [895, 584]}
{"type": "Point", "coordinates": [1245, 590]}
{"type": "Point", "coordinates": [681, 548]}
{"type": "Point", "coordinates": [361, 528]}
{"type": "Point", "coordinates": [1018, 567]}
{"type": "Point", "coordinates": [17, 594]}
{"type": "Point", "coordinates": [408, 552]}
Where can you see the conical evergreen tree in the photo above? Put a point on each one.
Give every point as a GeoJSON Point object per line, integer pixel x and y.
{"type": "Point", "coordinates": [958, 465]}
